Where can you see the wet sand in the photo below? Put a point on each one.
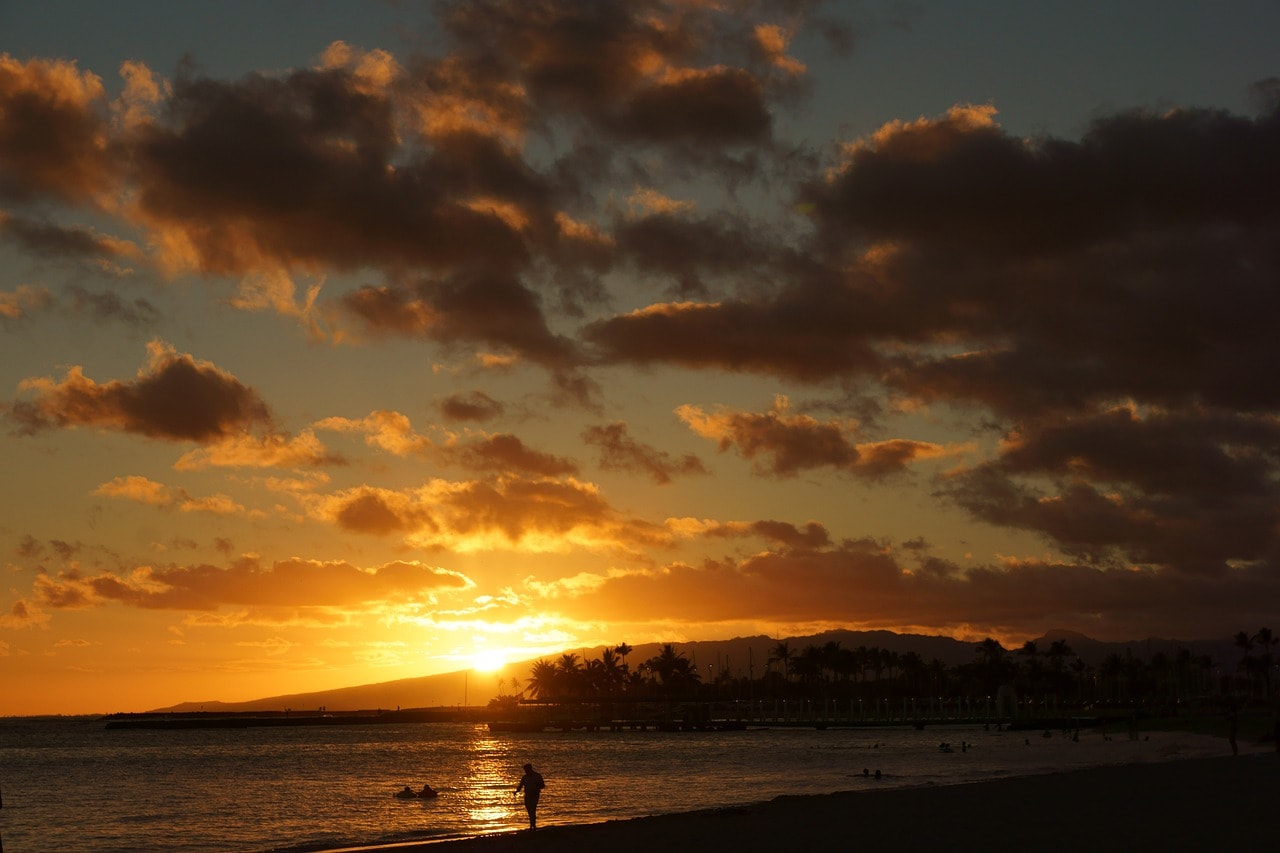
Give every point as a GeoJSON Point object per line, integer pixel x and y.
{"type": "Point", "coordinates": [1189, 804]}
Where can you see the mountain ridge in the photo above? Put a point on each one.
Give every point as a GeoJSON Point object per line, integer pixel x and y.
{"type": "Point", "coordinates": [742, 656]}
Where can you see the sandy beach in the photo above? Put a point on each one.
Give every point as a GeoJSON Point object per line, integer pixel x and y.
{"type": "Point", "coordinates": [1191, 804]}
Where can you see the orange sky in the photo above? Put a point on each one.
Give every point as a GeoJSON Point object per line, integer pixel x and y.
{"type": "Point", "coordinates": [511, 328]}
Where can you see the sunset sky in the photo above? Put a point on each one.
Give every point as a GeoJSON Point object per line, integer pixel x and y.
{"type": "Point", "coordinates": [348, 342]}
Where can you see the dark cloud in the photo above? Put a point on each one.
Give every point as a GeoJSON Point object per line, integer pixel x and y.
{"type": "Point", "coordinates": [509, 453]}
{"type": "Point", "coordinates": [308, 170]}
{"type": "Point", "coordinates": [476, 406]}
{"type": "Point", "coordinates": [620, 452]}
{"type": "Point", "coordinates": [866, 584]}
{"type": "Point", "coordinates": [781, 444]}
{"type": "Point", "coordinates": [723, 106]}
{"type": "Point", "coordinates": [1075, 273]}
{"type": "Point", "coordinates": [805, 333]}
{"type": "Point", "coordinates": [1051, 286]}
{"type": "Point", "coordinates": [1131, 172]}
{"type": "Point", "coordinates": [368, 512]}
{"type": "Point", "coordinates": [176, 398]}
{"type": "Point", "coordinates": [690, 250]}
{"type": "Point", "coordinates": [1191, 492]}
{"type": "Point", "coordinates": [642, 70]}
{"type": "Point", "coordinates": [811, 537]}
{"type": "Point", "coordinates": [54, 139]}
{"type": "Point", "coordinates": [487, 308]}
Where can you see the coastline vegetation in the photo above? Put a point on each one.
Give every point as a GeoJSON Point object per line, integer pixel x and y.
{"type": "Point", "coordinates": [1179, 690]}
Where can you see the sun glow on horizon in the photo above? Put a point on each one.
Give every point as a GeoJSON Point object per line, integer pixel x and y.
{"type": "Point", "coordinates": [489, 660]}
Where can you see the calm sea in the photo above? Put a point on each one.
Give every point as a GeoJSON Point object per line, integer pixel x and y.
{"type": "Point", "coordinates": [69, 784]}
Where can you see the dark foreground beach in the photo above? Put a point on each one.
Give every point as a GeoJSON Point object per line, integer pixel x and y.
{"type": "Point", "coordinates": [1212, 804]}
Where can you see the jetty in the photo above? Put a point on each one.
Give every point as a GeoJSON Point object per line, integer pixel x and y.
{"type": "Point", "coordinates": [702, 716]}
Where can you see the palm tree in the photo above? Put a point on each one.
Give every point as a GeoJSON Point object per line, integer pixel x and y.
{"type": "Point", "coordinates": [622, 650]}
{"type": "Point", "coordinates": [1264, 639]}
{"type": "Point", "coordinates": [1182, 670]}
{"type": "Point", "coordinates": [846, 664]}
{"type": "Point", "coordinates": [544, 680]}
{"type": "Point", "coordinates": [781, 653]}
{"type": "Point", "coordinates": [1244, 642]}
{"type": "Point", "coordinates": [1031, 652]}
{"type": "Point", "coordinates": [1208, 667]}
{"type": "Point", "coordinates": [1059, 650]}
{"type": "Point", "coordinates": [912, 667]}
{"type": "Point", "coordinates": [994, 662]}
{"type": "Point", "coordinates": [571, 675]}
{"type": "Point", "coordinates": [875, 660]}
{"type": "Point", "coordinates": [610, 672]}
{"type": "Point", "coordinates": [1080, 668]}
{"type": "Point", "coordinates": [808, 664]}
{"type": "Point", "coordinates": [673, 669]}
{"type": "Point", "coordinates": [831, 656]}
{"type": "Point", "coordinates": [1113, 676]}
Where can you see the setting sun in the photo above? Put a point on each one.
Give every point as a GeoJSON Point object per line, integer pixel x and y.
{"type": "Point", "coordinates": [489, 660]}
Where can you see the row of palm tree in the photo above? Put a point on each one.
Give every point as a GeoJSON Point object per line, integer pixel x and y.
{"type": "Point", "coordinates": [830, 670]}
{"type": "Point", "coordinates": [1257, 667]}
{"type": "Point", "coordinates": [667, 673]}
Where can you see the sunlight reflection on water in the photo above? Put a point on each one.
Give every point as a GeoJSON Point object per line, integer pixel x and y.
{"type": "Point", "coordinates": [489, 790]}
{"type": "Point", "coordinates": [262, 788]}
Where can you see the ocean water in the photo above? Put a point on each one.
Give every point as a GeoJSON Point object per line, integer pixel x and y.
{"type": "Point", "coordinates": [71, 784]}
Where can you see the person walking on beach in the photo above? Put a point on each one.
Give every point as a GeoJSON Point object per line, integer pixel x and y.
{"type": "Point", "coordinates": [532, 784]}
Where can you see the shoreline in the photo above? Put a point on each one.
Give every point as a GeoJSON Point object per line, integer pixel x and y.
{"type": "Point", "coordinates": [1180, 804]}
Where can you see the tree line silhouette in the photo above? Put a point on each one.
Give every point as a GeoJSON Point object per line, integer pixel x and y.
{"type": "Point", "coordinates": [1055, 674]}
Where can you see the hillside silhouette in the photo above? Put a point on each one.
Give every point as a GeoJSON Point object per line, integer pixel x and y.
{"type": "Point", "coordinates": [741, 656]}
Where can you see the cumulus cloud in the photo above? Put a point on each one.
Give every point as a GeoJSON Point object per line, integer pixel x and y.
{"type": "Point", "coordinates": [1189, 491]}
{"type": "Point", "coordinates": [534, 514]}
{"type": "Point", "coordinates": [781, 444]}
{"type": "Point", "coordinates": [54, 138]}
{"type": "Point", "coordinates": [175, 397]}
{"type": "Point", "coordinates": [630, 69]}
{"type": "Point", "coordinates": [805, 333]}
{"type": "Point", "coordinates": [506, 452]}
{"type": "Point", "coordinates": [491, 308]}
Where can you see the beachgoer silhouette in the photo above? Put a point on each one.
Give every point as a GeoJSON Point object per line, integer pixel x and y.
{"type": "Point", "coordinates": [427, 792]}
{"type": "Point", "coordinates": [532, 783]}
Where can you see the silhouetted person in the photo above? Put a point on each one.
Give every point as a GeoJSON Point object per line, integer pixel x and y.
{"type": "Point", "coordinates": [427, 792]}
{"type": "Point", "coordinates": [532, 784]}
